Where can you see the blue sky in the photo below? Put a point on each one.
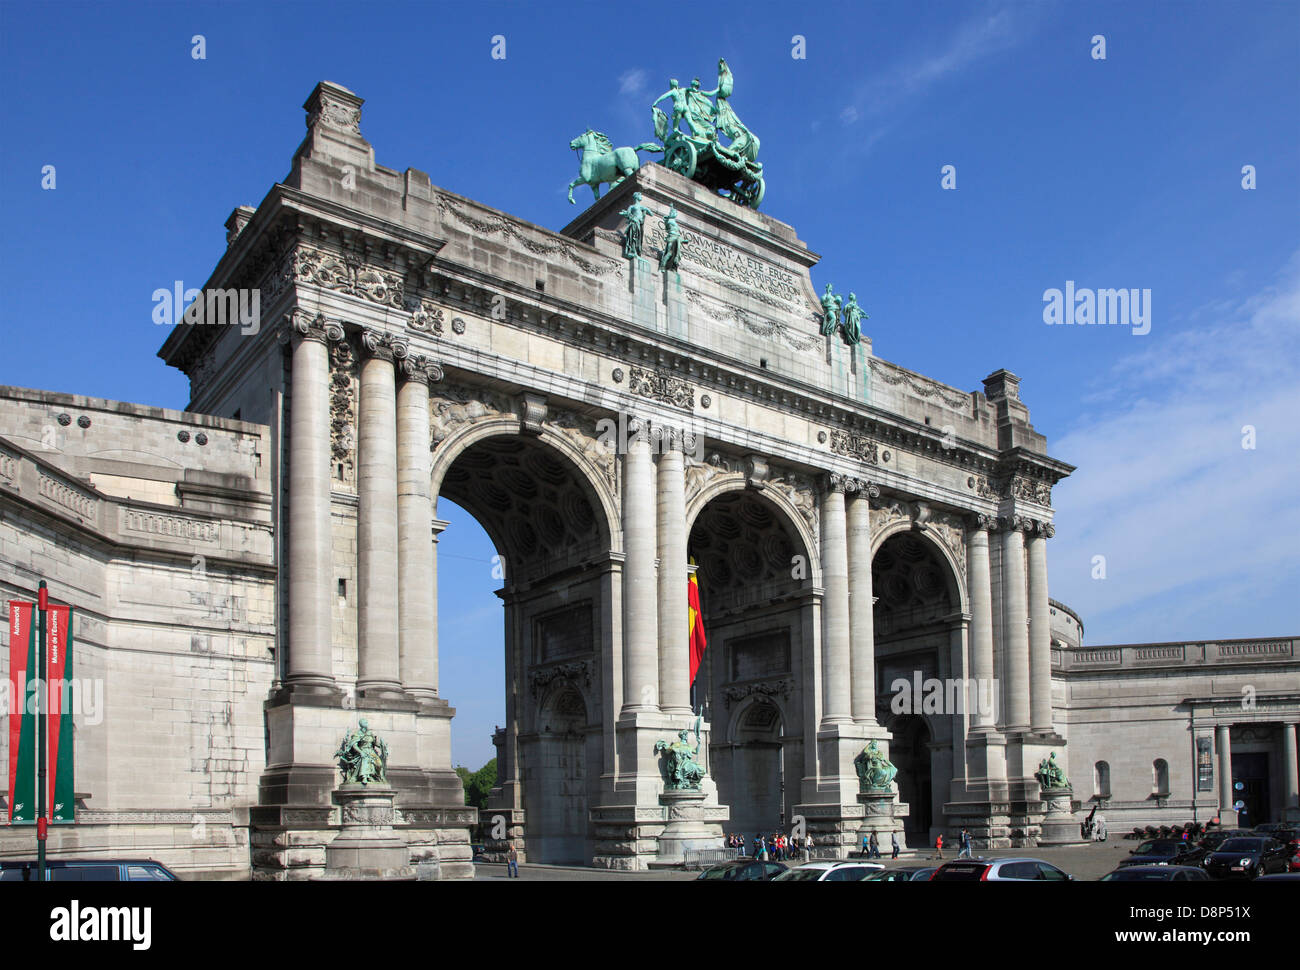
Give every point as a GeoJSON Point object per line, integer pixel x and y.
{"type": "Point", "coordinates": [1123, 172]}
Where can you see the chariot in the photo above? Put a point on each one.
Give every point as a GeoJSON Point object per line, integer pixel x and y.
{"type": "Point", "coordinates": [728, 169]}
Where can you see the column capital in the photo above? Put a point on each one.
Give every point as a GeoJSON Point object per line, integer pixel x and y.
{"type": "Point", "coordinates": [1015, 523]}
{"type": "Point", "coordinates": [666, 437]}
{"type": "Point", "coordinates": [836, 482]}
{"type": "Point", "coordinates": [414, 367]}
{"type": "Point", "coordinates": [382, 345]}
{"type": "Point", "coordinates": [303, 325]}
{"type": "Point", "coordinates": [983, 521]}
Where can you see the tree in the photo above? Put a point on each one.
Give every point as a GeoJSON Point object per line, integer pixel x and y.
{"type": "Point", "coordinates": [479, 783]}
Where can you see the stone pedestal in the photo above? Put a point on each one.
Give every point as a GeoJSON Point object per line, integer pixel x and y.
{"type": "Point", "coordinates": [688, 827]}
{"type": "Point", "coordinates": [883, 816]}
{"type": "Point", "coordinates": [368, 847]}
{"type": "Point", "coordinates": [1060, 827]}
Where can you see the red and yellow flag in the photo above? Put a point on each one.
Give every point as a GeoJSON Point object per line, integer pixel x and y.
{"type": "Point", "coordinates": [698, 642]}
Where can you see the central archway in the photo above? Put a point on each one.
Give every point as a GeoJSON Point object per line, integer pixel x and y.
{"type": "Point", "coordinates": [755, 576]}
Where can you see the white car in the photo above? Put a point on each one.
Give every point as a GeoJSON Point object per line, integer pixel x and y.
{"type": "Point", "coordinates": [829, 872]}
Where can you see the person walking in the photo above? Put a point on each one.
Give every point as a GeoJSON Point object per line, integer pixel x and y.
{"type": "Point", "coordinates": [807, 848]}
{"type": "Point", "coordinates": [512, 863]}
{"type": "Point", "coordinates": [938, 844]}
{"type": "Point", "coordinates": [866, 847]}
{"type": "Point", "coordinates": [875, 846]}
{"type": "Point", "coordinates": [965, 845]}
{"type": "Point", "coordinates": [894, 838]}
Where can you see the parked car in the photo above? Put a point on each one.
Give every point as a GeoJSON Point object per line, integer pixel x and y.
{"type": "Point", "coordinates": [1156, 873]}
{"type": "Point", "coordinates": [88, 870]}
{"type": "Point", "coordinates": [742, 870]}
{"type": "Point", "coordinates": [830, 872]}
{"type": "Point", "coordinates": [902, 874]}
{"type": "Point", "coordinates": [999, 870]}
{"type": "Point", "coordinates": [1280, 877]}
{"type": "Point", "coordinates": [1200, 852]}
{"type": "Point", "coordinates": [1158, 852]}
{"type": "Point", "coordinates": [1247, 858]}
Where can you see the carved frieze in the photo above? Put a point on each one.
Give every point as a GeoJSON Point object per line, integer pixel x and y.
{"type": "Point", "coordinates": [921, 386]}
{"type": "Point", "coordinates": [855, 446]}
{"type": "Point", "coordinates": [575, 672]}
{"type": "Point", "coordinates": [453, 405]}
{"type": "Point", "coordinates": [802, 492]}
{"type": "Point", "coordinates": [1031, 490]}
{"type": "Point", "coordinates": [699, 474]}
{"type": "Point", "coordinates": [765, 688]}
{"type": "Point", "coordinates": [427, 318]}
{"type": "Point", "coordinates": [343, 416]}
{"type": "Point", "coordinates": [662, 387]}
{"type": "Point", "coordinates": [582, 432]}
{"type": "Point", "coordinates": [347, 273]}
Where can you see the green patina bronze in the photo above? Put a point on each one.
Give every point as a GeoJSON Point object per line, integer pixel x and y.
{"type": "Point", "coordinates": [634, 233]}
{"type": "Point", "coordinates": [363, 757]}
{"type": "Point", "coordinates": [830, 311]}
{"type": "Point", "coordinates": [1050, 775]}
{"type": "Point", "coordinates": [853, 317]}
{"type": "Point", "coordinates": [602, 162]}
{"type": "Point", "coordinates": [680, 769]}
{"type": "Point", "coordinates": [671, 257]}
{"type": "Point", "coordinates": [875, 771]}
{"type": "Point", "coordinates": [692, 146]}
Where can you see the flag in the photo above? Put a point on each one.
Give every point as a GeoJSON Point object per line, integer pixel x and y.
{"type": "Point", "coordinates": [22, 722]}
{"type": "Point", "coordinates": [60, 806]}
{"type": "Point", "coordinates": [698, 642]}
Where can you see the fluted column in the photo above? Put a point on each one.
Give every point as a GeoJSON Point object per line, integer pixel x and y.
{"type": "Point", "coordinates": [417, 601]}
{"type": "Point", "coordinates": [377, 618]}
{"type": "Point", "coordinates": [1040, 631]}
{"type": "Point", "coordinates": [310, 661]}
{"type": "Point", "coordinates": [836, 663]}
{"type": "Point", "coordinates": [674, 616]}
{"type": "Point", "coordinates": [862, 650]}
{"type": "Point", "coordinates": [1015, 626]}
{"type": "Point", "coordinates": [1290, 772]}
{"type": "Point", "coordinates": [640, 593]}
{"type": "Point", "coordinates": [1223, 748]}
{"type": "Point", "coordinates": [981, 623]}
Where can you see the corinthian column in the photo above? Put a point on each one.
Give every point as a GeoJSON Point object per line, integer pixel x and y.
{"type": "Point", "coordinates": [310, 665]}
{"type": "Point", "coordinates": [862, 648]}
{"type": "Point", "coordinates": [640, 594]}
{"type": "Point", "coordinates": [981, 623]}
{"type": "Point", "coordinates": [836, 663]}
{"type": "Point", "coordinates": [674, 616]}
{"type": "Point", "coordinates": [1223, 747]}
{"type": "Point", "coordinates": [1040, 631]}
{"type": "Point", "coordinates": [377, 669]}
{"type": "Point", "coordinates": [1015, 627]}
{"type": "Point", "coordinates": [417, 601]}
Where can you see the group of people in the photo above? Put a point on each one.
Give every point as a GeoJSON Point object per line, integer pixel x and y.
{"type": "Point", "coordinates": [871, 846]}
{"type": "Point", "coordinates": [776, 846]}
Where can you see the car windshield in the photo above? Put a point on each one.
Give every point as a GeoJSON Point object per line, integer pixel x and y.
{"type": "Point", "coordinates": [719, 872]}
{"type": "Point", "coordinates": [800, 875]}
{"type": "Point", "coordinates": [1157, 848]}
{"type": "Point", "coordinates": [1138, 875]}
{"type": "Point", "coordinates": [1242, 845]}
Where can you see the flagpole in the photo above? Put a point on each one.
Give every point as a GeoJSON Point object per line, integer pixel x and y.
{"type": "Point", "coordinates": [42, 706]}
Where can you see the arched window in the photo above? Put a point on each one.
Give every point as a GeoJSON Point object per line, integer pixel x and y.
{"type": "Point", "coordinates": [1101, 779]}
{"type": "Point", "coordinates": [1160, 777]}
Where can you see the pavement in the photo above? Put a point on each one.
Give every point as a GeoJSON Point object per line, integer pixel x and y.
{"type": "Point", "coordinates": [1086, 863]}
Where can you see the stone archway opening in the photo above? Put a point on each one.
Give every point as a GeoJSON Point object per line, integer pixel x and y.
{"type": "Point", "coordinates": [755, 596]}
{"type": "Point", "coordinates": [552, 574]}
{"type": "Point", "coordinates": [915, 619]}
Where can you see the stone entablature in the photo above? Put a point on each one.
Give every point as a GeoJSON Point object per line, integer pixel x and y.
{"type": "Point", "coordinates": [1179, 655]}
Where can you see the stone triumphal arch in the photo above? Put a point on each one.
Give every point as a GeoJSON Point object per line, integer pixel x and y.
{"type": "Point", "coordinates": [617, 425]}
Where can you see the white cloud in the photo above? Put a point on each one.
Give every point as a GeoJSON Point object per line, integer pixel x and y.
{"type": "Point", "coordinates": [632, 82]}
{"type": "Point", "coordinates": [1194, 527]}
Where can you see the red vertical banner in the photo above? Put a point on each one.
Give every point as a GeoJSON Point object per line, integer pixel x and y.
{"type": "Point", "coordinates": [22, 723]}
{"type": "Point", "coordinates": [59, 732]}
{"type": "Point", "coordinates": [698, 641]}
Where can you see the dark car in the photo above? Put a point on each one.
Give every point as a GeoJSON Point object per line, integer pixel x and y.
{"type": "Point", "coordinates": [902, 874]}
{"type": "Point", "coordinates": [742, 870]}
{"type": "Point", "coordinates": [1247, 858]}
{"type": "Point", "coordinates": [88, 870]}
{"type": "Point", "coordinates": [1197, 854]}
{"type": "Point", "coordinates": [1157, 852]}
{"type": "Point", "coordinates": [1281, 877]}
{"type": "Point", "coordinates": [1156, 873]}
